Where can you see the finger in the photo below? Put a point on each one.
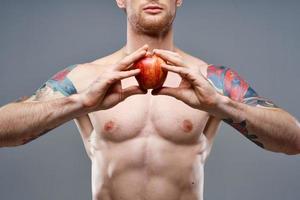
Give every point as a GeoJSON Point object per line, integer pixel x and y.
{"type": "Point", "coordinates": [127, 74]}
{"type": "Point", "coordinates": [132, 90]}
{"type": "Point", "coordinates": [170, 56]}
{"type": "Point", "coordinates": [128, 60]}
{"type": "Point", "coordinates": [117, 76]}
{"type": "Point", "coordinates": [183, 72]}
{"type": "Point", "coordinates": [149, 53]}
{"type": "Point", "coordinates": [176, 69]}
{"type": "Point", "coordinates": [166, 52]}
{"type": "Point", "coordinates": [169, 91]}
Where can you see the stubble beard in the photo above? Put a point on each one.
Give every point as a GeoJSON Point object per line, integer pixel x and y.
{"type": "Point", "coordinates": [159, 26]}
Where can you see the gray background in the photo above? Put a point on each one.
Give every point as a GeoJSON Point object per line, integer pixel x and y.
{"type": "Point", "coordinates": [258, 38]}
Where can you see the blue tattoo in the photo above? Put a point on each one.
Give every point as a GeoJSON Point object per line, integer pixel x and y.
{"type": "Point", "coordinates": [60, 82]}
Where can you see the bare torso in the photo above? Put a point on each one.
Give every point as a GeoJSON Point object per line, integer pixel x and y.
{"type": "Point", "coordinates": [147, 147]}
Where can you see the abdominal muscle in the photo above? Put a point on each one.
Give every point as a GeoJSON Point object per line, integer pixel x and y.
{"type": "Point", "coordinates": [147, 168]}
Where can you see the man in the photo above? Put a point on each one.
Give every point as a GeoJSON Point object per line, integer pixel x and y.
{"type": "Point", "coordinates": [149, 145]}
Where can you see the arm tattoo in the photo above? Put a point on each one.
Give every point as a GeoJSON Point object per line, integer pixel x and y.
{"type": "Point", "coordinates": [33, 137]}
{"type": "Point", "coordinates": [57, 83]}
{"type": "Point", "coordinates": [231, 84]}
{"type": "Point", "coordinates": [241, 127]}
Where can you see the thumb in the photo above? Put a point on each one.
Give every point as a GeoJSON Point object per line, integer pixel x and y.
{"type": "Point", "coordinates": [132, 90]}
{"type": "Point", "coordinates": [169, 91]}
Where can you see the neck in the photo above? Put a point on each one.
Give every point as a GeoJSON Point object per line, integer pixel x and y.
{"type": "Point", "coordinates": [135, 40]}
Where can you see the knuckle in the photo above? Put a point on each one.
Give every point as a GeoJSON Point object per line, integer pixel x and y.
{"type": "Point", "coordinates": [188, 70]}
{"type": "Point", "coordinates": [178, 55]}
{"type": "Point", "coordinates": [108, 78]}
{"type": "Point", "coordinates": [184, 71]}
{"type": "Point", "coordinates": [182, 62]}
{"type": "Point", "coordinates": [104, 77]}
{"type": "Point", "coordinates": [114, 78]}
{"type": "Point", "coordinates": [123, 62]}
{"type": "Point", "coordinates": [111, 81]}
{"type": "Point", "coordinates": [118, 77]}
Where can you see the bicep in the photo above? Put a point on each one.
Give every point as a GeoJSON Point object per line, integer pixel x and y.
{"type": "Point", "coordinates": [57, 86]}
{"type": "Point", "coordinates": [234, 86]}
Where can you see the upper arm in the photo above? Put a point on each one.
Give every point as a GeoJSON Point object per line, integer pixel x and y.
{"type": "Point", "coordinates": [63, 84]}
{"type": "Point", "coordinates": [231, 84]}
{"type": "Point", "coordinates": [59, 85]}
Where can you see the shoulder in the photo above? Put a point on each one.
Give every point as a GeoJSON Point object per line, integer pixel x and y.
{"type": "Point", "coordinates": [224, 79]}
{"type": "Point", "coordinates": [190, 58]}
{"type": "Point", "coordinates": [194, 61]}
{"type": "Point", "coordinates": [230, 82]}
{"type": "Point", "coordinates": [84, 74]}
{"type": "Point", "coordinates": [109, 59]}
{"type": "Point", "coordinates": [94, 66]}
{"type": "Point", "coordinates": [70, 79]}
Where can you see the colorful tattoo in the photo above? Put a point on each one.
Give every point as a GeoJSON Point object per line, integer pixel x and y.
{"type": "Point", "coordinates": [241, 127]}
{"type": "Point", "coordinates": [229, 83]}
{"type": "Point", "coordinates": [60, 82]}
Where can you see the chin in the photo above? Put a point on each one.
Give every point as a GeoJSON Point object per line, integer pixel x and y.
{"type": "Point", "coordinates": [155, 23]}
{"type": "Point", "coordinates": [152, 24]}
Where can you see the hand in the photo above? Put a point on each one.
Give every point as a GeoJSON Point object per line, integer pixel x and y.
{"type": "Point", "coordinates": [194, 89]}
{"type": "Point", "coordinates": [106, 91]}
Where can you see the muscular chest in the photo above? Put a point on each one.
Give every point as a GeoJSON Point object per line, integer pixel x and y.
{"type": "Point", "coordinates": [143, 115]}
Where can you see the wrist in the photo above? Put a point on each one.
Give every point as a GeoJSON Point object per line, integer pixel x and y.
{"type": "Point", "coordinates": [78, 100]}
{"type": "Point", "coordinates": [227, 108]}
{"type": "Point", "coordinates": [219, 106]}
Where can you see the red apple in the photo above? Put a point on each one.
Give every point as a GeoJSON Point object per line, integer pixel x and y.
{"type": "Point", "coordinates": [152, 75]}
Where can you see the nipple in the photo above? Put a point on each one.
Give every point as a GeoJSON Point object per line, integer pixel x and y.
{"type": "Point", "coordinates": [187, 126]}
{"type": "Point", "coordinates": [109, 126]}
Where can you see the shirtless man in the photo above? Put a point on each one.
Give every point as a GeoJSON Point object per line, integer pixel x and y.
{"type": "Point", "coordinates": [149, 145]}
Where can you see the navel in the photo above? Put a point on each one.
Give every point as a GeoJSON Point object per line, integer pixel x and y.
{"type": "Point", "coordinates": [108, 126]}
{"type": "Point", "coordinates": [187, 126]}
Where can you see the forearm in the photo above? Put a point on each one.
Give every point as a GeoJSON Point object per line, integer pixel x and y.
{"type": "Point", "coordinates": [271, 128]}
{"type": "Point", "coordinates": [25, 121]}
